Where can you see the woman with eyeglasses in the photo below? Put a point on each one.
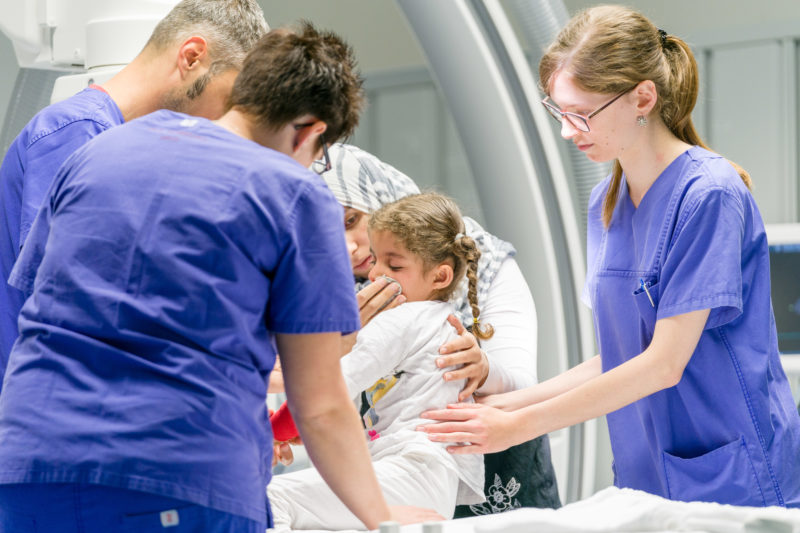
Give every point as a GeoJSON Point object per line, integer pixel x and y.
{"type": "Point", "coordinates": [688, 374]}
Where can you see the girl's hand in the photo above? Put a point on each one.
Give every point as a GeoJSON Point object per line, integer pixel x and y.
{"type": "Point", "coordinates": [464, 351]}
{"type": "Point", "coordinates": [484, 429]}
{"type": "Point", "coordinates": [378, 296]}
{"type": "Point", "coordinates": [282, 451]}
{"type": "Point", "coordinates": [276, 377]}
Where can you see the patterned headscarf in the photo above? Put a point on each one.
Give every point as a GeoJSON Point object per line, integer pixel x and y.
{"type": "Point", "coordinates": [360, 180]}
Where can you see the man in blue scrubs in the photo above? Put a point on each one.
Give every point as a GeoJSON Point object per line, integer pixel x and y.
{"type": "Point", "coordinates": [186, 66]}
{"type": "Point", "coordinates": [169, 254]}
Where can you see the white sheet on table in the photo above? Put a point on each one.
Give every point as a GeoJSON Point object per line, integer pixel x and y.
{"type": "Point", "coordinates": [626, 510]}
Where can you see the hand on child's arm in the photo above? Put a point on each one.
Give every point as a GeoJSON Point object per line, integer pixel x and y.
{"type": "Point", "coordinates": [465, 351]}
{"type": "Point", "coordinates": [486, 429]}
{"type": "Point", "coordinates": [504, 402]}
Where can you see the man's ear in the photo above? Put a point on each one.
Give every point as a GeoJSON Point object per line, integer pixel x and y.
{"type": "Point", "coordinates": [442, 276]}
{"type": "Point", "coordinates": [308, 135]}
{"type": "Point", "coordinates": [192, 55]}
{"type": "Point", "coordinates": [305, 145]}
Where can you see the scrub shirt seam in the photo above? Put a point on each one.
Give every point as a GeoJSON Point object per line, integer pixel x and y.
{"type": "Point", "coordinates": [666, 475]}
{"type": "Point", "coordinates": [296, 200]}
{"type": "Point", "coordinates": [77, 501]}
{"type": "Point", "coordinates": [50, 131]}
{"type": "Point", "coordinates": [723, 298]}
{"type": "Point", "coordinates": [669, 216]}
{"type": "Point", "coordinates": [313, 327]}
{"type": "Point", "coordinates": [20, 279]}
{"type": "Point", "coordinates": [702, 195]}
{"type": "Point", "coordinates": [753, 420]}
{"type": "Point", "coordinates": [752, 469]}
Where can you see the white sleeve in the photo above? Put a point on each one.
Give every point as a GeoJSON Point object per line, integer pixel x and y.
{"type": "Point", "coordinates": [379, 349]}
{"type": "Point", "coordinates": [511, 351]}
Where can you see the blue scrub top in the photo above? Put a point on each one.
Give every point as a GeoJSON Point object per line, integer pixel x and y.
{"type": "Point", "coordinates": [168, 253]}
{"type": "Point", "coordinates": [29, 167]}
{"type": "Point", "coordinates": [729, 431]}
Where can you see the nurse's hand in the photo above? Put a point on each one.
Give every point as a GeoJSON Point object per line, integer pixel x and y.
{"type": "Point", "coordinates": [484, 429]}
{"type": "Point", "coordinates": [405, 514]}
{"type": "Point", "coordinates": [503, 401]}
{"type": "Point", "coordinates": [464, 351]}
{"type": "Point", "coordinates": [378, 296]}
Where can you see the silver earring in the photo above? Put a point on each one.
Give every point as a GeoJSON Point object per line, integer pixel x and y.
{"type": "Point", "coordinates": [641, 120]}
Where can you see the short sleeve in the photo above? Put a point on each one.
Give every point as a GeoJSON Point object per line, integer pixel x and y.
{"type": "Point", "coordinates": [702, 268]}
{"type": "Point", "coordinates": [312, 285]}
{"type": "Point", "coordinates": [44, 157]}
{"type": "Point", "coordinates": [32, 250]}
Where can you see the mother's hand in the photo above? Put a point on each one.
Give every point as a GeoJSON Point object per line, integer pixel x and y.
{"type": "Point", "coordinates": [378, 296]}
{"type": "Point", "coordinates": [484, 429]}
{"type": "Point", "coordinates": [464, 351]}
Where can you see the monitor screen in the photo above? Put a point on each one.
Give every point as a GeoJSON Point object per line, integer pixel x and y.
{"type": "Point", "coordinates": [784, 264]}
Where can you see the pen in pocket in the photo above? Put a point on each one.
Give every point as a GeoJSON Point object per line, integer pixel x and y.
{"type": "Point", "coordinates": [643, 286]}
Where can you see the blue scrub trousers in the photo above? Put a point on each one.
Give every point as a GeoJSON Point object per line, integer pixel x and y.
{"type": "Point", "coordinates": [83, 508]}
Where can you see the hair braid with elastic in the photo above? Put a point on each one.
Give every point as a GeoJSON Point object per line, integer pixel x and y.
{"type": "Point", "coordinates": [467, 248]}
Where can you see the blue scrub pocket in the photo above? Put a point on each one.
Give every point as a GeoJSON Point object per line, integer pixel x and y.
{"type": "Point", "coordinates": [723, 475]}
{"type": "Point", "coordinates": [647, 305]}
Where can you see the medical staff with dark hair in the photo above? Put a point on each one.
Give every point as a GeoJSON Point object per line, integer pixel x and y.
{"type": "Point", "coordinates": [188, 65]}
{"type": "Point", "coordinates": [171, 251]}
{"type": "Point", "coordinates": [698, 405]}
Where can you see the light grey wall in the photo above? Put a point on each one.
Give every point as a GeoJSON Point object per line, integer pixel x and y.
{"type": "Point", "coordinates": [376, 29]}
{"type": "Point", "coordinates": [9, 69]}
{"type": "Point", "coordinates": [697, 21]}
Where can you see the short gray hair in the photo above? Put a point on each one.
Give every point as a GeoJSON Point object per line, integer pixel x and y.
{"type": "Point", "coordinates": [230, 27]}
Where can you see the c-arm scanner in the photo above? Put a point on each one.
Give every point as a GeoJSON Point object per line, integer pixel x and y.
{"type": "Point", "coordinates": [97, 36]}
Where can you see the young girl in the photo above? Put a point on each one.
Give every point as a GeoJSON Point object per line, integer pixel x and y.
{"type": "Point", "coordinates": [419, 242]}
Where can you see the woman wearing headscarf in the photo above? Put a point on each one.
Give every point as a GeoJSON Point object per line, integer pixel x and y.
{"type": "Point", "coordinates": [362, 183]}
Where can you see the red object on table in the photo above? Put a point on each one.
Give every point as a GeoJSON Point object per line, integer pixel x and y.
{"type": "Point", "coordinates": [283, 428]}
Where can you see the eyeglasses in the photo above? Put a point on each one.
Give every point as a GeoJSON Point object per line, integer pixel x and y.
{"type": "Point", "coordinates": [320, 166]}
{"type": "Point", "coordinates": [323, 165]}
{"type": "Point", "coordinates": [579, 122]}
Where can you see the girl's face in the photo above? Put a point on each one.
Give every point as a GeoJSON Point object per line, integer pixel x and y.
{"type": "Point", "coordinates": [355, 231]}
{"type": "Point", "coordinates": [606, 139]}
{"type": "Point", "coordinates": [394, 260]}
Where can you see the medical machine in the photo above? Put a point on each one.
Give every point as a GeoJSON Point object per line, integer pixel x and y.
{"type": "Point", "coordinates": [62, 47]}
{"type": "Point", "coordinates": [784, 264]}
{"type": "Point", "coordinates": [98, 37]}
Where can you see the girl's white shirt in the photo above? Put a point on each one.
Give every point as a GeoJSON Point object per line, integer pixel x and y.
{"type": "Point", "coordinates": [394, 361]}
